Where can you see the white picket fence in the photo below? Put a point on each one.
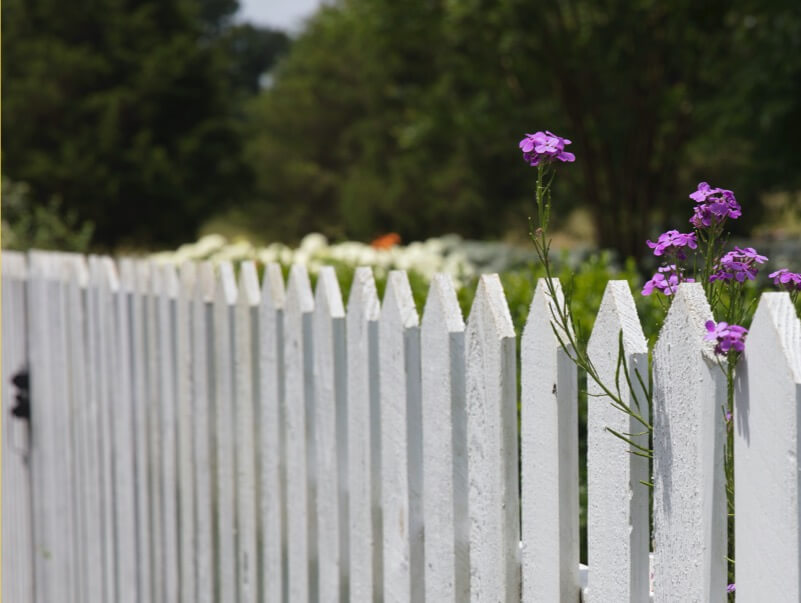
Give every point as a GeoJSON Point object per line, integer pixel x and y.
{"type": "Point", "coordinates": [195, 438]}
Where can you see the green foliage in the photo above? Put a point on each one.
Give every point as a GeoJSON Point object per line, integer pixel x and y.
{"type": "Point", "coordinates": [42, 226]}
{"type": "Point", "coordinates": [405, 116]}
{"type": "Point", "coordinates": [130, 113]}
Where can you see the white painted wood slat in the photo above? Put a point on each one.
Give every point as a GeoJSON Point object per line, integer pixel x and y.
{"type": "Point", "coordinates": [271, 442]}
{"type": "Point", "coordinates": [549, 456]}
{"type": "Point", "coordinates": [330, 422]}
{"type": "Point", "coordinates": [184, 368]}
{"type": "Point", "coordinates": [141, 318]}
{"type": "Point", "coordinates": [223, 426]}
{"type": "Point", "coordinates": [166, 290]}
{"type": "Point", "coordinates": [492, 446]}
{"type": "Point", "coordinates": [617, 514]}
{"type": "Point", "coordinates": [203, 386]}
{"type": "Point", "coordinates": [689, 492]}
{"type": "Point", "coordinates": [401, 442]}
{"type": "Point", "coordinates": [17, 529]}
{"type": "Point", "coordinates": [446, 520]}
{"type": "Point", "coordinates": [364, 440]}
{"type": "Point", "coordinates": [246, 329]}
{"type": "Point", "coordinates": [766, 452]}
{"type": "Point", "coordinates": [300, 452]}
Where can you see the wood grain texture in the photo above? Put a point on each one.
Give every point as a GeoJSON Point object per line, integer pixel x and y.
{"type": "Point", "coordinates": [364, 440]}
{"type": "Point", "coordinates": [617, 515]}
{"type": "Point", "coordinates": [766, 452]}
{"type": "Point", "coordinates": [549, 456]}
{"type": "Point", "coordinates": [447, 541]}
{"type": "Point", "coordinates": [689, 495]}
{"type": "Point", "coordinates": [492, 446]}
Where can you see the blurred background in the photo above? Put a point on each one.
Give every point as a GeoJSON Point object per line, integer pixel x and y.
{"type": "Point", "coordinates": [142, 125]}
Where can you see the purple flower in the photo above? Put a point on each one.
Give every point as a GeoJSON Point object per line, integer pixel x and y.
{"type": "Point", "coordinates": [738, 265]}
{"type": "Point", "coordinates": [545, 147]}
{"type": "Point", "coordinates": [714, 206]}
{"type": "Point", "coordinates": [786, 279]}
{"type": "Point", "coordinates": [671, 242]}
{"type": "Point", "coordinates": [731, 588]}
{"type": "Point", "coordinates": [729, 337]}
{"type": "Point", "coordinates": [665, 284]}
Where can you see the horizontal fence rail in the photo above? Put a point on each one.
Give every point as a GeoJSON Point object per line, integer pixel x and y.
{"type": "Point", "coordinates": [216, 433]}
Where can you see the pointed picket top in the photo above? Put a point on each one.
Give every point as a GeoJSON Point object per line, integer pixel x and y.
{"type": "Point", "coordinates": [327, 294]}
{"type": "Point", "coordinates": [549, 455]}
{"type": "Point", "coordinates": [143, 276]}
{"type": "Point", "coordinates": [492, 446]}
{"type": "Point", "coordinates": [542, 309]}
{"type": "Point", "coordinates": [187, 279]}
{"type": "Point", "coordinates": [78, 272]}
{"type": "Point", "coordinates": [398, 301]}
{"type": "Point", "coordinates": [442, 311]}
{"type": "Point", "coordinates": [363, 299]}
{"type": "Point", "coordinates": [299, 298]}
{"type": "Point", "coordinates": [13, 264]}
{"type": "Point", "coordinates": [689, 491]}
{"type": "Point", "coordinates": [617, 522]}
{"type": "Point", "coordinates": [766, 436]}
{"type": "Point", "coordinates": [204, 282]}
{"type": "Point", "coordinates": [490, 307]}
{"type": "Point", "coordinates": [249, 294]}
{"type": "Point", "coordinates": [617, 313]}
{"type": "Point", "coordinates": [225, 288]}
{"type": "Point", "coordinates": [364, 439]}
{"type": "Point", "coordinates": [127, 274]}
{"type": "Point", "coordinates": [687, 318]}
{"type": "Point", "coordinates": [447, 575]}
{"type": "Point", "coordinates": [273, 290]}
{"type": "Point", "coordinates": [109, 271]}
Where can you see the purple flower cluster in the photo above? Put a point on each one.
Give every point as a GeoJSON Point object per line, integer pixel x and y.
{"type": "Point", "coordinates": [666, 281]}
{"type": "Point", "coordinates": [790, 281]}
{"type": "Point", "coordinates": [545, 147]}
{"type": "Point", "coordinates": [714, 206]}
{"type": "Point", "coordinates": [729, 337]}
{"type": "Point", "coordinates": [738, 265]}
{"type": "Point", "coordinates": [671, 243]}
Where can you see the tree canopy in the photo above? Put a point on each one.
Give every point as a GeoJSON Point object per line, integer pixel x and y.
{"type": "Point", "coordinates": [147, 117]}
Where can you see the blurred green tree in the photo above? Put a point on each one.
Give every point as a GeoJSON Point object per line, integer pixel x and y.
{"type": "Point", "coordinates": [128, 111]}
{"type": "Point", "coordinates": [406, 115]}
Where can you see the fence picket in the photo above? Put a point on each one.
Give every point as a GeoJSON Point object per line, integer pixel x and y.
{"type": "Point", "coordinates": [17, 529]}
{"type": "Point", "coordinates": [492, 446]}
{"type": "Point", "coordinates": [204, 390]}
{"type": "Point", "coordinates": [203, 439]}
{"type": "Point", "coordinates": [122, 417]}
{"type": "Point", "coordinates": [689, 495]}
{"type": "Point", "coordinates": [766, 452]}
{"type": "Point", "coordinates": [184, 369]}
{"type": "Point", "coordinates": [617, 508]}
{"type": "Point", "coordinates": [224, 421]}
{"type": "Point", "coordinates": [246, 334]}
{"type": "Point", "coordinates": [364, 439]}
{"type": "Point", "coordinates": [330, 424]}
{"type": "Point", "coordinates": [270, 422]}
{"type": "Point", "coordinates": [300, 452]}
{"type": "Point", "coordinates": [141, 319]}
{"type": "Point", "coordinates": [447, 536]}
{"type": "Point", "coordinates": [549, 457]}
{"type": "Point", "coordinates": [166, 290]}
{"type": "Point", "coordinates": [401, 442]}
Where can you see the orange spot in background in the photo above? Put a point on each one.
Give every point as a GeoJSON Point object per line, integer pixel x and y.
{"type": "Point", "coordinates": [386, 241]}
